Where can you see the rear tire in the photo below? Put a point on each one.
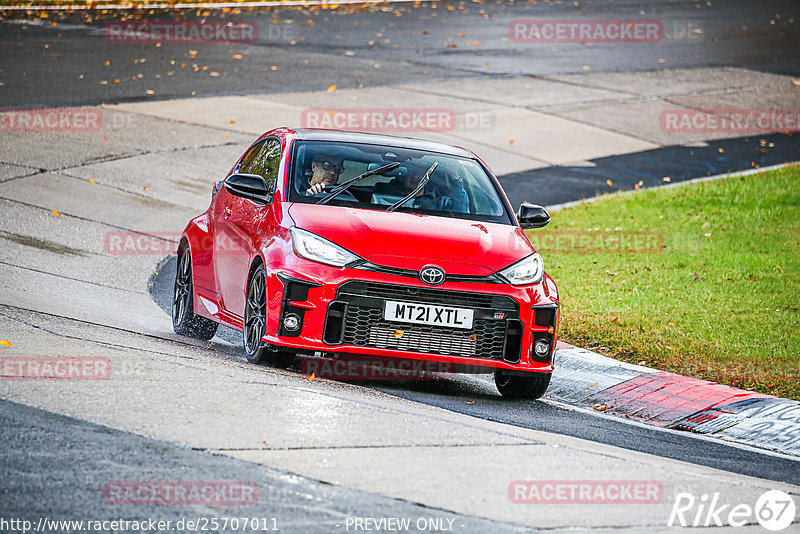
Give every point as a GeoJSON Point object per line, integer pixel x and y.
{"type": "Point", "coordinates": [254, 327]}
{"type": "Point", "coordinates": [514, 386]}
{"type": "Point", "coordinates": [184, 321]}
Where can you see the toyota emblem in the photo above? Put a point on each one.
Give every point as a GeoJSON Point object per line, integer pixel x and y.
{"type": "Point", "coordinates": [432, 275]}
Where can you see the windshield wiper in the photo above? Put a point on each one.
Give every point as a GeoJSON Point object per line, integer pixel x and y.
{"type": "Point", "coordinates": [417, 189]}
{"type": "Point", "coordinates": [341, 188]}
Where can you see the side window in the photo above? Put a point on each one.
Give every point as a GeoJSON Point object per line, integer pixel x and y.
{"type": "Point", "coordinates": [263, 160]}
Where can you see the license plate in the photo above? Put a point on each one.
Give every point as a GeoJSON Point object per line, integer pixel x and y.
{"type": "Point", "coordinates": [428, 314]}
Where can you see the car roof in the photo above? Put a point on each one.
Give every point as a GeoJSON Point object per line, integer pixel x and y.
{"type": "Point", "coordinates": [311, 134]}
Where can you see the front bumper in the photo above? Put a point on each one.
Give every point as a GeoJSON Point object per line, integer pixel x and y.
{"type": "Point", "coordinates": [341, 311]}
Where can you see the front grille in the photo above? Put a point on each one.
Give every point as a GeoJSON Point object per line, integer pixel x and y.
{"type": "Point", "coordinates": [427, 295]}
{"type": "Point", "coordinates": [362, 324]}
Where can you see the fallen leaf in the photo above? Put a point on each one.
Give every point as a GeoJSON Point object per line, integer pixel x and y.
{"type": "Point", "coordinates": [105, 138]}
{"type": "Point", "coordinates": [600, 407]}
{"type": "Point", "coordinates": [593, 385]}
{"type": "Point", "coordinates": [56, 213]}
{"type": "Point", "coordinates": [332, 88]}
{"type": "Point", "coordinates": [667, 179]}
{"type": "Point", "coordinates": [696, 276]}
{"type": "Point", "coordinates": [469, 402]}
{"type": "Point", "coordinates": [237, 56]}
{"type": "Point", "coordinates": [5, 342]}
{"type": "Point", "coordinates": [672, 323]}
{"type": "Point", "coordinates": [614, 319]}
{"type": "Point", "coordinates": [641, 362]}
{"type": "Point", "coordinates": [312, 377]}
{"type": "Point", "coordinates": [609, 183]}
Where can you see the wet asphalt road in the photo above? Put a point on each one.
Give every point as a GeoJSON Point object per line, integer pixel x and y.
{"type": "Point", "coordinates": [72, 462]}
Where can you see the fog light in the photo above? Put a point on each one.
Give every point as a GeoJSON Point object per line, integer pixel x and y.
{"type": "Point", "coordinates": [541, 347]}
{"type": "Point", "coordinates": [291, 322]}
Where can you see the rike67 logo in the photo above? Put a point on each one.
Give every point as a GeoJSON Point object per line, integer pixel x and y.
{"type": "Point", "coordinates": [774, 510]}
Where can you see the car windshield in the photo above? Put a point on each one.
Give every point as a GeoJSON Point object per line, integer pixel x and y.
{"type": "Point", "coordinates": [457, 187]}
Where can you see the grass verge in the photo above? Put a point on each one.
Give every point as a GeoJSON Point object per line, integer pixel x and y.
{"type": "Point", "coordinates": [701, 280]}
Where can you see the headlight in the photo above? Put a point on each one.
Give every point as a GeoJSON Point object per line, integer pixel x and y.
{"type": "Point", "coordinates": [526, 271]}
{"type": "Point", "coordinates": [315, 248]}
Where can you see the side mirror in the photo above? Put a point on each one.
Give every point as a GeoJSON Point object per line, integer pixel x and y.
{"type": "Point", "coordinates": [249, 186]}
{"type": "Point", "coordinates": [532, 216]}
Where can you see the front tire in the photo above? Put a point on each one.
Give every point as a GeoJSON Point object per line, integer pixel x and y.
{"type": "Point", "coordinates": [255, 321]}
{"type": "Point", "coordinates": [528, 386]}
{"type": "Point", "coordinates": [184, 321]}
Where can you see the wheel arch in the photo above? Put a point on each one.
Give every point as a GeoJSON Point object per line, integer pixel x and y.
{"type": "Point", "coordinates": [257, 262]}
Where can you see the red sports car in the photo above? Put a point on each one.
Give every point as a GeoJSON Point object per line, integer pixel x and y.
{"type": "Point", "coordinates": [370, 245]}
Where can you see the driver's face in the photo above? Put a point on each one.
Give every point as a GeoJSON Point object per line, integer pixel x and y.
{"type": "Point", "coordinates": [326, 170]}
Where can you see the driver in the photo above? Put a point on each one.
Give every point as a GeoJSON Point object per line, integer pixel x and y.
{"type": "Point", "coordinates": [325, 171]}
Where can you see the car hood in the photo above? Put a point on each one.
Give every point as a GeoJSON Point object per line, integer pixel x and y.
{"type": "Point", "coordinates": [411, 241]}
